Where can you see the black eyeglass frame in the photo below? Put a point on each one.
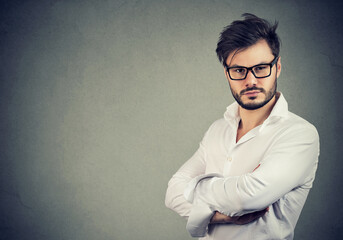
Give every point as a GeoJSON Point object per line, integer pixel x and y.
{"type": "Point", "coordinates": [250, 69]}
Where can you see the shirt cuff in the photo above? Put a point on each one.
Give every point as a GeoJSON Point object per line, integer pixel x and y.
{"type": "Point", "coordinates": [199, 218]}
{"type": "Point", "coordinates": [201, 214]}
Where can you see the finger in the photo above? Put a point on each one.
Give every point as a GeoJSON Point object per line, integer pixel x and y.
{"type": "Point", "coordinates": [221, 218]}
{"type": "Point", "coordinates": [248, 218]}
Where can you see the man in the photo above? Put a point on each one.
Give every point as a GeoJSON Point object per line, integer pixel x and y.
{"type": "Point", "coordinates": [254, 168]}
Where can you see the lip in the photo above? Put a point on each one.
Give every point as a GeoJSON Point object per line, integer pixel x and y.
{"type": "Point", "coordinates": [252, 93]}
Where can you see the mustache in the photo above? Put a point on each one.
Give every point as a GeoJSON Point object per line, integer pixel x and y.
{"type": "Point", "coordinates": [251, 89]}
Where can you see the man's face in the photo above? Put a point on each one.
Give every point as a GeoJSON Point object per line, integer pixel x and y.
{"type": "Point", "coordinates": [253, 93]}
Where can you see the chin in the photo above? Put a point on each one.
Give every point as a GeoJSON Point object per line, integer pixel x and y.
{"type": "Point", "coordinates": [253, 104]}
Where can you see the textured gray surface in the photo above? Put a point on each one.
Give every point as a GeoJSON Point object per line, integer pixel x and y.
{"type": "Point", "coordinates": [102, 101]}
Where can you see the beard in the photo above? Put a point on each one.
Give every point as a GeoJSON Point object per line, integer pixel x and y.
{"type": "Point", "coordinates": [255, 105]}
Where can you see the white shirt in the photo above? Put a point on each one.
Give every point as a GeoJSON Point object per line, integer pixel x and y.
{"type": "Point", "coordinates": [222, 176]}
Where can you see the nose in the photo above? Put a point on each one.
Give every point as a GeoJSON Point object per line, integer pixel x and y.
{"type": "Point", "coordinates": [250, 80]}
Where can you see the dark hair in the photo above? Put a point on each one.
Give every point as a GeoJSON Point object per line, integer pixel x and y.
{"type": "Point", "coordinates": [241, 34]}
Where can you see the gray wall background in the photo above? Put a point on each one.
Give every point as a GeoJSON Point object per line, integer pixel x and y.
{"type": "Point", "coordinates": [102, 101]}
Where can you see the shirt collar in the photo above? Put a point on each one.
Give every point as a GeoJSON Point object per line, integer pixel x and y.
{"type": "Point", "coordinates": [231, 114]}
{"type": "Point", "coordinates": [280, 111]}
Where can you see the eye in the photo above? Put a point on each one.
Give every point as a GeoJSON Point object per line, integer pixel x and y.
{"type": "Point", "coordinates": [260, 68]}
{"type": "Point", "coordinates": [239, 70]}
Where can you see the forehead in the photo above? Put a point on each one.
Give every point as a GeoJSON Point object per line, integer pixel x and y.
{"type": "Point", "coordinates": [258, 53]}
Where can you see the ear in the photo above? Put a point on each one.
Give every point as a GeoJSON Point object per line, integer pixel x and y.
{"type": "Point", "coordinates": [278, 66]}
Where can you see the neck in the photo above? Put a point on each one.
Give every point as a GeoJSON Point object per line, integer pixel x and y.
{"type": "Point", "coordinates": [253, 118]}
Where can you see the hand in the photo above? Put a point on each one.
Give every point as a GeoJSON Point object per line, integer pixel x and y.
{"type": "Point", "coordinates": [239, 220]}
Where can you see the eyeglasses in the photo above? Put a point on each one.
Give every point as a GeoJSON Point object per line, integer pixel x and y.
{"type": "Point", "coordinates": [259, 71]}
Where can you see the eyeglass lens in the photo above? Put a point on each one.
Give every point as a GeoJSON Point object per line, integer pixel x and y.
{"type": "Point", "coordinates": [241, 72]}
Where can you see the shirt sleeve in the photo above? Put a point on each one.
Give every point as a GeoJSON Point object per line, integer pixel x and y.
{"type": "Point", "coordinates": [194, 167]}
{"type": "Point", "coordinates": [289, 163]}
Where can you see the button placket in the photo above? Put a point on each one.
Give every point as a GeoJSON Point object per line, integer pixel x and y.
{"type": "Point", "coordinates": [229, 156]}
{"type": "Point", "coordinates": [227, 165]}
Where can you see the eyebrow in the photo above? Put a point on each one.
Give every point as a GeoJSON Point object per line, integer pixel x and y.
{"type": "Point", "coordinates": [239, 66]}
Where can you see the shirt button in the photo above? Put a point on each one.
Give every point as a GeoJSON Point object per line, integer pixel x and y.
{"type": "Point", "coordinates": [229, 159]}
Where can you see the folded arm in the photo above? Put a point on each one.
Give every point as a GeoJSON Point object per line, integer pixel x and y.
{"type": "Point", "coordinates": [291, 162]}
{"type": "Point", "coordinates": [288, 165]}
{"type": "Point", "coordinates": [194, 167]}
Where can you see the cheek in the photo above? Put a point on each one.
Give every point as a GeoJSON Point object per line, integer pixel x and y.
{"type": "Point", "coordinates": [269, 85]}
{"type": "Point", "coordinates": [234, 86]}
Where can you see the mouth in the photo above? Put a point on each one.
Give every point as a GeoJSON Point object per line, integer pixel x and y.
{"type": "Point", "coordinates": [252, 93]}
